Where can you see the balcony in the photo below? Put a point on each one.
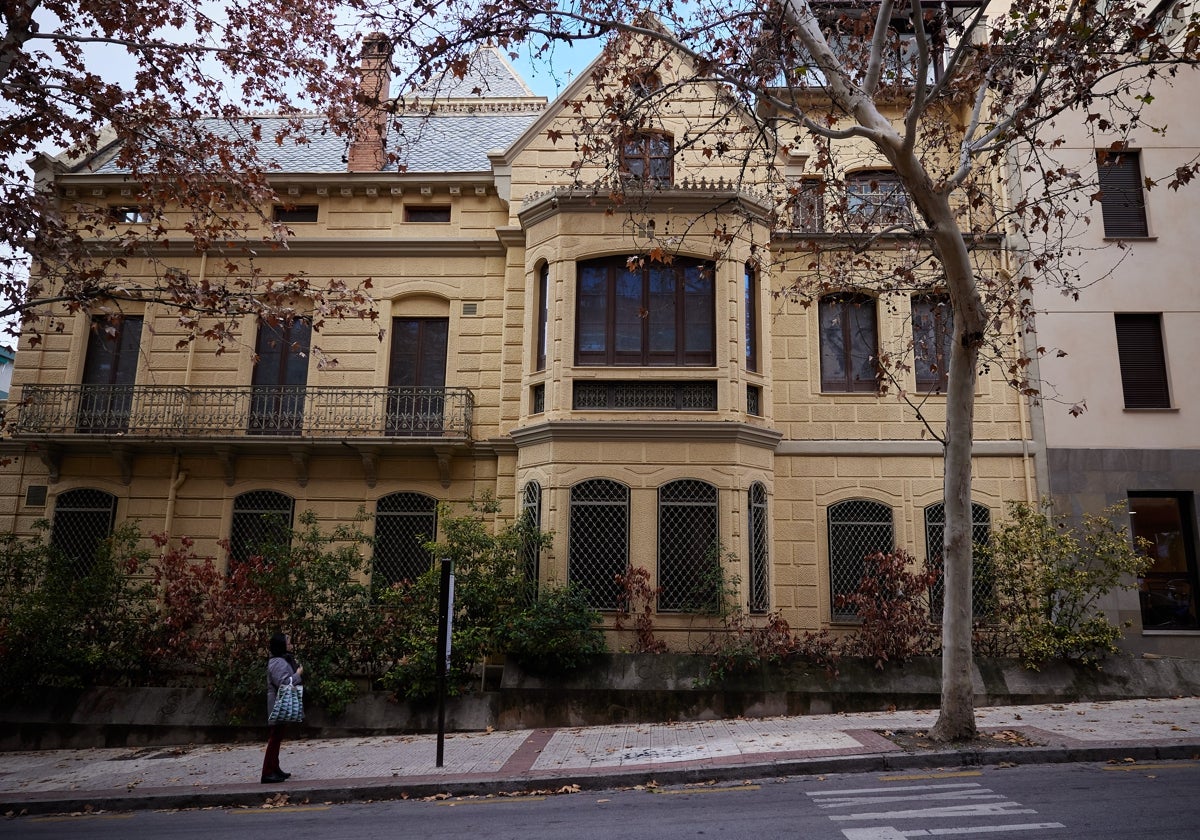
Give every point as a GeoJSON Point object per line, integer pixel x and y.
{"type": "Point", "coordinates": [237, 420]}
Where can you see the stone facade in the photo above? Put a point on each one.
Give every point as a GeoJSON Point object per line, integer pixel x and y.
{"type": "Point", "coordinates": [480, 249]}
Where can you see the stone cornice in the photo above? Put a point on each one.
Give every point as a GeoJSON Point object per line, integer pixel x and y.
{"type": "Point", "coordinates": [341, 247]}
{"type": "Point", "coordinates": [690, 198]}
{"type": "Point", "coordinates": [555, 431]}
{"type": "Point", "coordinates": [980, 449]}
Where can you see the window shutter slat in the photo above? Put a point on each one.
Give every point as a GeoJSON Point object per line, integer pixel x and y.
{"type": "Point", "coordinates": [1143, 361]}
{"type": "Point", "coordinates": [1121, 199]}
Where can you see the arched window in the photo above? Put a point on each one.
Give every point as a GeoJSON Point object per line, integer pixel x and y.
{"type": "Point", "coordinates": [645, 313]}
{"type": "Point", "coordinates": [404, 522]}
{"type": "Point", "coordinates": [981, 573]}
{"type": "Point", "coordinates": [261, 519]}
{"type": "Point", "coordinates": [688, 547]}
{"type": "Point", "coordinates": [531, 509]}
{"type": "Point", "coordinates": [849, 343]}
{"type": "Point", "coordinates": [760, 591]}
{"type": "Point", "coordinates": [857, 527]}
{"type": "Point", "coordinates": [83, 519]}
{"type": "Point", "coordinates": [598, 547]}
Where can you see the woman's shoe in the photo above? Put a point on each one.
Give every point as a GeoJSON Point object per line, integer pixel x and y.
{"type": "Point", "coordinates": [273, 778]}
{"type": "Point", "coordinates": [285, 775]}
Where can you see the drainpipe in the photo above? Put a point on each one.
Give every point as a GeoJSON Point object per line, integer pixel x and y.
{"type": "Point", "coordinates": [178, 477]}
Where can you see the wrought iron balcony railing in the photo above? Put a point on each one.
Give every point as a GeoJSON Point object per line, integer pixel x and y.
{"type": "Point", "coordinates": [312, 413]}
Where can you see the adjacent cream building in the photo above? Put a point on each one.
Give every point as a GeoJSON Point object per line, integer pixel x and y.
{"type": "Point", "coordinates": [1131, 345]}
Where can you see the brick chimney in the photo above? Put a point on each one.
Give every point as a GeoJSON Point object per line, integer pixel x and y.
{"type": "Point", "coordinates": [375, 79]}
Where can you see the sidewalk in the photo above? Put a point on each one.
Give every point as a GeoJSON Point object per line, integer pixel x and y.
{"type": "Point", "coordinates": [594, 757]}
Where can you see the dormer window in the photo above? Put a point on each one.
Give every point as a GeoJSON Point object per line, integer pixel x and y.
{"type": "Point", "coordinates": [648, 157]}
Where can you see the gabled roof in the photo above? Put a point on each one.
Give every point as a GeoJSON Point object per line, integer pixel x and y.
{"type": "Point", "coordinates": [488, 76]}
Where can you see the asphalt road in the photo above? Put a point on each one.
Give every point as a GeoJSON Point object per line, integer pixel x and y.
{"type": "Point", "coordinates": [1061, 801]}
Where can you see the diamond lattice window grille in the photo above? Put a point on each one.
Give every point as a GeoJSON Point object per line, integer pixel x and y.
{"type": "Point", "coordinates": [760, 592]}
{"type": "Point", "coordinates": [598, 548]}
{"type": "Point", "coordinates": [857, 527]}
{"type": "Point", "coordinates": [531, 508]}
{"type": "Point", "coordinates": [261, 519]}
{"type": "Point", "coordinates": [688, 546]}
{"type": "Point", "coordinates": [404, 522]}
{"type": "Point", "coordinates": [982, 583]}
{"type": "Point", "coordinates": [83, 519]}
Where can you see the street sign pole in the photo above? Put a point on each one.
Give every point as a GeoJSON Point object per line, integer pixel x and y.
{"type": "Point", "coordinates": [445, 628]}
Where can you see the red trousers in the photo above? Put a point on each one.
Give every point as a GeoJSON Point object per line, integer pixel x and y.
{"type": "Point", "coordinates": [271, 759]}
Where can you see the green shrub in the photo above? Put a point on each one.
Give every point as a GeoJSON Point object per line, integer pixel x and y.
{"type": "Point", "coordinates": [66, 629]}
{"type": "Point", "coordinates": [1050, 577]}
{"type": "Point", "coordinates": [491, 585]}
{"type": "Point", "coordinates": [556, 634]}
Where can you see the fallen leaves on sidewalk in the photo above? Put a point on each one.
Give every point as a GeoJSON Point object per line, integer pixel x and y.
{"type": "Point", "coordinates": [918, 740]}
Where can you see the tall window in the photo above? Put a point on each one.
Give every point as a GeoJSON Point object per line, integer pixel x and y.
{"type": "Point", "coordinates": [875, 198]}
{"type": "Point", "coordinates": [1168, 589]}
{"type": "Point", "coordinates": [849, 347]}
{"type": "Point", "coordinates": [109, 372]}
{"type": "Point", "coordinates": [280, 377]}
{"type": "Point", "coordinates": [598, 547]}
{"type": "Point", "coordinates": [1122, 200]}
{"type": "Point", "coordinates": [857, 527]}
{"type": "Point", "coordinates": [760, 592]}
{"type": "Point", "coordinates": [1143, 360]}
{"type": "Point", "coordinates": [543, 309]}
{"type": "Point", "coordinates": [531, 508]}
{"type": "Point", "coordinates": [417, 376]}
{"type": "Point", "coordinates": [933, 332]}
{"type": "Point", "coordinates": [751, 294]}
{"type": "Point", "coordinates": [262, 519]}
{"type": "Point", "coordinates": [404, 522]}
{"type": "Point", "coordinates": [648, 157]}
{"type": "Point", "coordinates": [650, 314]}
{"type": "Point", "coordinates": [982, 582]}
{"type": "Point", "coordinates": [808, 205]}
{"type": "Point", "coordinates": [688, 546]}
{"type": "Point", "coordinates": [83, 519]}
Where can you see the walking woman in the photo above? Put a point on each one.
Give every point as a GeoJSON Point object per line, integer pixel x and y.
{"type": "Point", "coordinates": [280, 668]}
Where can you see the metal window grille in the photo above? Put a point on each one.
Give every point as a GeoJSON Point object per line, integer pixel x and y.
{"type": "Point", "coordinates": [531, 508]}
{"type": "Point", "coordinates": [404, 522]}
{"type": "Point", "coordinates": [857, 527]}
{"type": "Point", "coordinates": [688, 546]}
{"type": "Point", "coordinates": [261, 519]}
{"type": "Point", "coordinates": [754, 400]}
{"type": "Point", "coordinates": [876, 199]}
{"type": "Point", "coordinates": [644, 396]}
{"type": "Point", "coordinates": [599, 539]}
{"type": "Point", "coordinates": [83, 519]}
{"type": "Point", "coordinates": [982, 581]}
{"type": "Point", "coordinates": [760, 592]}
{"type": "Point", "coordinates": [808, 206]}
{"type": "Point", "coordinates": [539, 399]}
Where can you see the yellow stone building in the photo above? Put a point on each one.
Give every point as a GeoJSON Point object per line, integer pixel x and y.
{"type": "Point", "coordinates": [646, 414]}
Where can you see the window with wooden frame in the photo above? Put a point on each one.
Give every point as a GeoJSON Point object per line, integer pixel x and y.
{"type": "Point", "coordinates": [1122, 198]}
{"type": "Point", "coordinates": [849, 343]}
{"type": "Point", "coordinates": [543, 310]}
{"type": "Point", "coordinates": [933, 332]}
{"type": "Point", "coordinates": [1143, 360]}
{"type": "Point", "coordinates": [645, 314]}
{"type": "Point", "coordinates": [875, 198]}
{"type": "Point", "coordinates": [648, 157]}
{"type": "Point", "coordinates": [752, 295]}
{"type": "Point", "coordinates": [808, 205]}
